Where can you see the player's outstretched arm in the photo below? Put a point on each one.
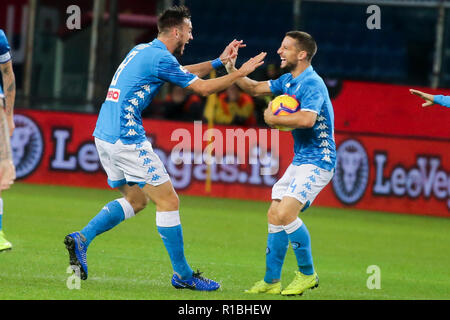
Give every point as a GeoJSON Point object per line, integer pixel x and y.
{"type": "Point", "coordinates": [301, 119]}
{"type": "Point", "coordinates": [204, 68]}
{"type": "Point", "coordinates": [207, 87]}
{"type": "Point", "coordinates": [432, 99]}
{"type": "Point", "coordinates": [252, 87]}
{"type": "Point", "coordinates": [9, 87]}
{"type": "Point", "coordinates": [7, 170]}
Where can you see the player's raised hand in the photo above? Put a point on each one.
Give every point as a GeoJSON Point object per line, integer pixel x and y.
{"type": "Point", "coordinates": [252, 64]}
{"type": "Point", "coordinates": [429, 98]}
{"type": "Point", "coordinates": [231, 50]}
{"type": "Point", "coordinates": [230, 66]}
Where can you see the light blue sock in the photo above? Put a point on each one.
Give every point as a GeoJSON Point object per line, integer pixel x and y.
{"type": "Point", "coordinates": [111, 215]}
{"type": "Point", "coordinates": [169, 228]}
{"type": "Point", "coordinates": [277, 244]}
{"type": "Point", "coordinates": [301, 243]}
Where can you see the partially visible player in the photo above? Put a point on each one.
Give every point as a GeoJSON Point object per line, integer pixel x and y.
{"type": "Point", "coordinates": [7, 170]}
{"type": "Point", "coordinates": [312, 166]}
{"type": "Point", "coordinates": [7, 97]}
{"type": "Point", "coordinates": [432, 99]}
{"type": "Point", "coordinates": [125, 152]}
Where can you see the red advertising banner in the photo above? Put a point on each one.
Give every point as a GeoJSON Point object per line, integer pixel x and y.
{"type": "Point", "coordinates": [393, 155]}
{"type": "Point", "coordinates": [374, 172]}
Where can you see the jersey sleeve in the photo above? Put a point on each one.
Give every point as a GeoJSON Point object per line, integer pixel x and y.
{"type": "Point", "coordinates": [442, 100]}
{"type": "Point", "coordinates": [171, 71]}
{"type": "Point", "coordinates": [312, 98]}
{"type": "Point", "coordinates": [5, 54]}
{"type": "Point", "coordinates": [276, 86]}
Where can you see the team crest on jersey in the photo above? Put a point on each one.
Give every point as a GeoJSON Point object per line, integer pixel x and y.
{"type": "Point", "coordinates": [113, 95]}
{"type": "Point", "coordinates": [352, 172]}
{"type": "Point", "coordinates": [27, 145]}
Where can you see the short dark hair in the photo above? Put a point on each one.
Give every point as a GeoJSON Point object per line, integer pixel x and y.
{"type": "Point", "coordinates": [305, 42]}
{"type": "Point", "coordinates": [172, 17]}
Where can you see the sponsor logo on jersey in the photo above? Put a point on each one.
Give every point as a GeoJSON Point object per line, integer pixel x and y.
{"type": "Point", "coordinates": [352, 172]}
{"type": "Point", "coordinates": [27, 145]}
{"type": "Point", "coordinates": [113, 95]}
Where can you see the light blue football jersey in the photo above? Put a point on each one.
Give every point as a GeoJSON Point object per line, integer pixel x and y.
{"type": "Point", "coordinates": [314, 145]}
{"type": "Point", "coordinates": [442, 100]}
{"type": "Point", "coordinates": [5, 54]}
{"type": "Point", "coordinates": [137, 80]}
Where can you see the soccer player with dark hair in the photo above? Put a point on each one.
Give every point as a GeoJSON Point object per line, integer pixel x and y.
{"type": "Point", "coordinates": [432, 99]}
{"type": "Point", "coordinates": [312, 167]}
{"type": "Point", "coordinates": [7, 97]}
{"type": "Point", "coordinates": [125, 152]}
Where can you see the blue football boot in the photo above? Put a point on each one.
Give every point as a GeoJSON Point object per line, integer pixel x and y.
{"type": "Point", "coordinates": [77, 254]}
{"type": "Point", "coordinates": [196, 282]}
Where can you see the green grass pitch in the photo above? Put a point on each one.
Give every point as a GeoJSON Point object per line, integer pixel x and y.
{"type": "Point", "coordinates": [225, 239]}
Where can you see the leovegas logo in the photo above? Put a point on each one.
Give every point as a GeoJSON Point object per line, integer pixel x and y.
{"type": "Point", "coordinates": [113, 95]}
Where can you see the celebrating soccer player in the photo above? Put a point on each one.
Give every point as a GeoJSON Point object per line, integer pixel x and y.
{"type": "Point", "coordinates": [312, 166]}
{"type": "Point", "coordinates": [126, 154]}
{"type": "Point", "coordinates": [7, 171]}
{"type": "Point", "coordinates": [431, 99]}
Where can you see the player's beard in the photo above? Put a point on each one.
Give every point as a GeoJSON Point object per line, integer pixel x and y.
{"type": "Point", "coordinates": [178, 49]}
{"type": "Point", "coordinates": [289, 67]}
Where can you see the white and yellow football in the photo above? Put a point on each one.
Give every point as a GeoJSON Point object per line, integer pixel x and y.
{"type": "Point", "coordinates": [284, 105]}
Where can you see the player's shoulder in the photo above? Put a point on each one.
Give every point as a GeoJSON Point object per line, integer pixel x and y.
{"type": "Point", "coordinates": [4, 46]}
{"type": "Point", "coordinates": [147, 48]}
{"type": "Point", "coordinates": [3, 36]}
{"type": "Point", "coordinates": [281, 80]}
{"type": "Point", "coordinates": [285, 77]}
{"type": "Point", "coordinates": [313, 80]}
{"type": "Point", "coordinates": [154, 48]}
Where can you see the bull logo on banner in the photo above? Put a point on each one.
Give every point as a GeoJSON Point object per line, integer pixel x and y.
{"type": "Point", "coordinates": [352, 172]}
{"type": "Point", "coordinates": [27, 146]}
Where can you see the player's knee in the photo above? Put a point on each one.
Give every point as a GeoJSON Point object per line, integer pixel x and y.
{"type": "Point", "coordinates": [173, 202]}
{"type": "Point", "coordinates": [285, 217]}
{"type": "Point", "coordinates": [138, 203]}
{"type": "Point", "coordinates": [272, 216]}
{"type": "Point", "coordinates": [168, 203]}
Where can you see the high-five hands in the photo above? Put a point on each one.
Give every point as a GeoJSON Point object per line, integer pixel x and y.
{"type": "Point", "coordinates": [230, 51]}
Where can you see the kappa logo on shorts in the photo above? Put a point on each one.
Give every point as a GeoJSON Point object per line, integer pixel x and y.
{"type": "Point", "coordinates": [352, 172]}
{"type": "Point", "coordinates": [303, 194]}
{"type": "Point", "coordinates": [27, 145]}
{"type": "Point", "coordinates": [113, 95]}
